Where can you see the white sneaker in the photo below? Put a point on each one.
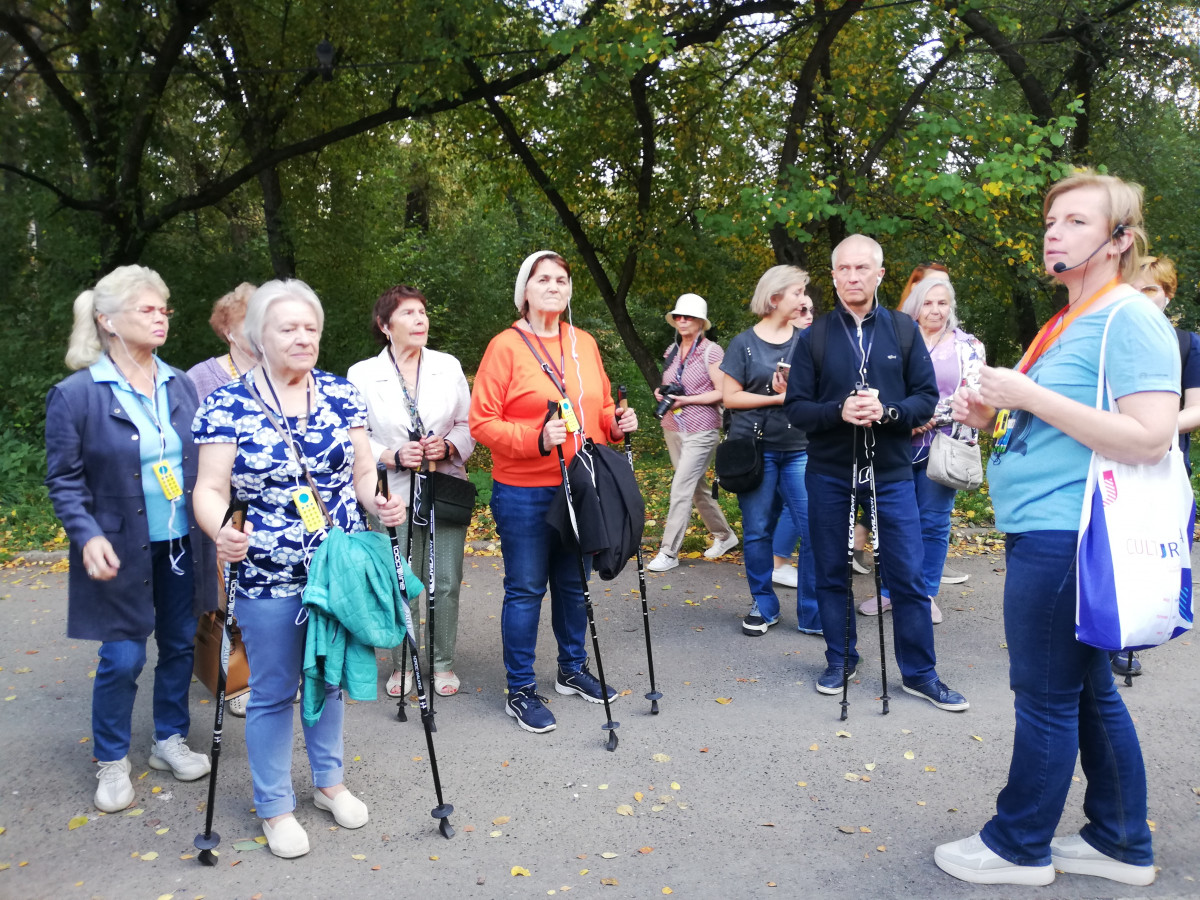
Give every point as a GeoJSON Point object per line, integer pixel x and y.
{"type": "Point", "coordinates": [952, 576]}
{"type": "Point", "coordinates": [173, 755]}
{"type": "Point", "coordinates": [237, 705]}
{"type": "Point", "coordinates": [972, 860]}
{"type": "Point", "coordinates": [662, 563]}
{"type": "Point", "coordinates": [785, 575]}
{"type": "Point", "coordinates": [934, 612]}
{"type": "Point", "coordinates": [721, 546]}
{"type": "Point", "coordinates": [115, 791]}
{"type": "Point", "coordinates": [1075, 855]}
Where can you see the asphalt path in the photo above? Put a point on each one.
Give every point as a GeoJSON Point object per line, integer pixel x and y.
{"type": "Point", "coordinates": [746, 784]}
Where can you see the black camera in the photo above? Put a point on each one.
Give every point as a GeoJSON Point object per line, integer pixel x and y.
{"type": "Point", "coordinates": [669, 392]}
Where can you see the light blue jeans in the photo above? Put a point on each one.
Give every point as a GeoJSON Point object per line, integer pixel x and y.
{"type": "Point", "coordinates": [274, 630]}
{"type": "Point", "coordinates": [783, 475]}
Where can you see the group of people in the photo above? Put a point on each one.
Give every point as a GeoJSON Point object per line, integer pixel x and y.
{"type": "Point", "coordinates": [143, 462]}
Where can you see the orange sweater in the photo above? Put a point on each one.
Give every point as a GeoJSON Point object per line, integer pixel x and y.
{"type": "Point", "coordinates": [508, 404]}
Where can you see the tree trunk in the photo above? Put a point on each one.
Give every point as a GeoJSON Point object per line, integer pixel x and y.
{"type": "Point", "coordinates": [283, 252]}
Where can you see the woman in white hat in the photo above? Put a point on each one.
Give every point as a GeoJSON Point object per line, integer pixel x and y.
{"type": "Point", "coordinates": [690, 410]}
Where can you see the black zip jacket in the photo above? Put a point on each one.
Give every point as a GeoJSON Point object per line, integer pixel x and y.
{"type": "Point", "coordinates": [814, 400]}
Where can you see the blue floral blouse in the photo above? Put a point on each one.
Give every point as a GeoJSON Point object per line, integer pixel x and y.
{"type": "Point", "coordinates": [266, 473]}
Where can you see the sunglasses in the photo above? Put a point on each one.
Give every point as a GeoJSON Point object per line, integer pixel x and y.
{"type": "Point", "coordinates": [679, 317]}
{"type": "Point", "coordinates": [805, 311]}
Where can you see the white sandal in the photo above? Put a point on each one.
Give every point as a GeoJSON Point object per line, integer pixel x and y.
{"type": "Point", "coordinates": [445, 684]}
{"type": "Point", "coordinates": [398, 686]}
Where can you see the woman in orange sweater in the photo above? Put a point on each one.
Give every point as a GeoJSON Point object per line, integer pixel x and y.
{"type": "Point", "coordinates": [539, 359]}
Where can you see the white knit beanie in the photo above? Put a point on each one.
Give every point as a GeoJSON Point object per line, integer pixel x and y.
{"type": "Point", "coordinates": [523, 276]}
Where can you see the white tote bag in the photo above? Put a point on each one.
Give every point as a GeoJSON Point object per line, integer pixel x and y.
{"type": "Point", "coordinates": [1133, 570]}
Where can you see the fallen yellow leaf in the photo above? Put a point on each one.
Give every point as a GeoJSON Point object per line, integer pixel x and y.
{"type": "Point", "coordinates": [977, 737]}
{"type": "Point", "coordinates": [608, 854]}
{"type": "Point", "coordinates": [801, 784]}
{"type": "Point", "coordinates": [667, 890]}
{"type": "Point", "coordinates": [157, 789]}
{"type": "Point", "coordinates": [518, 870]}
{"type": "Point", "coordinates": [435, 858]}
{"type": "Point", "coordinates": [358, 856]}
{"type": "Point", "coordinates": [662, 757]}
{"type": "Point", "coordinates": [870, 767]}
{"type": "Point", "coordinates": [881, 848]}
{"type": "Point", "coordinates": [77, 822]}
{"type": "Point", "coordinates": [500, 820]}
{"type": "Point", "coordinates": [496, 834]}
{"type": "Point", "coordinates": [1150, 822]}
{"type": "Point", "coordinates": [583, 871]}
{"type": "Point", "coordinates": [162, 831]}
{"type": "Point", "coordinates": [920, 803]}
{"type": "Point", "coordinates": [602, 787]}
{"type": "Point", "coordinates": [908, 754]}
{"type": "Point", "coordinates": [850, 776]}
{"type": "Point", "coordinates": [814, 746]}
{"type": "Point", "coordinates": [843, 734]}
{"type": "Point", "coordinates": [624, 810]}
{"type": "Point", "coordinates": [611, 882]}
{"type": "Point", "coordinates": [638, 795]}
{"type": "Point", "coordinates": [645, 849]}
{"type": "Point", "coordinates": [149, 857]}
{"type": "Point", "coordinates": [864, 829]}
{"type": "Point", "coordinates": [674, 785]}
{"type": "Point", "coordinates": [724, 700]}
{"type": "Point", "coordinates": [931, 768]}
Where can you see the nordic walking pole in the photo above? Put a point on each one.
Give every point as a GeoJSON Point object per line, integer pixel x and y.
{"type": "Point", "coordinates": [869, 444]}
{"type": "Point", "coordinates": [850, 577]}
{"type": "Point", "coordinates": [610, 726]}
{"type": "Point", "coordinates": [443, 810]}
{"type": "Point", "coordinates": [401, 713]}
{"type": "Point", "coordinates": [655, 695]}
{"type": "Point", "coordinates": [207, 841]}
{"type": "Point", "coordinates": [430, 591]}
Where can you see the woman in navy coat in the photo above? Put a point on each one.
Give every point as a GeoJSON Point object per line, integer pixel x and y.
{"type": "Point", "coordinates": [121, 467]}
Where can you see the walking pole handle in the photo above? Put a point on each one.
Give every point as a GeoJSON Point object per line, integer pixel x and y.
{"type": "Point", "coordinates": [622, 405]}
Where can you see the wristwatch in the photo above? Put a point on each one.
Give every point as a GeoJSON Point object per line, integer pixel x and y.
{"type": "Point", "coordinates": [890, 414]}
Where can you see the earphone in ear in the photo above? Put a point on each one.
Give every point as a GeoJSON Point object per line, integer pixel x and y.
{"type": "Point", "coordinates": [1118, 231]}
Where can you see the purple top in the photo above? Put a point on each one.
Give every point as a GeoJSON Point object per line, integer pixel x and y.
{"type": "Point", "coordinates": [209, 375]}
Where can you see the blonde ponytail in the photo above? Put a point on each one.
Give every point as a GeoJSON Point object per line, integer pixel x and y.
{"type": "Point", "coordinates": [84, 347]}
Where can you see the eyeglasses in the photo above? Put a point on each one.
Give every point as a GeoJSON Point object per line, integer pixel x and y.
{"type": "Point", "coordinates": [804, 311]}
{"type": "Point", "coordinates": [146, 311]}
{"type": "Point", "coordinates": [682, 318]}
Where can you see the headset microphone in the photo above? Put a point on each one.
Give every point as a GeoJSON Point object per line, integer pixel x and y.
{"type": "Point", "coordinates": [1060, 267]}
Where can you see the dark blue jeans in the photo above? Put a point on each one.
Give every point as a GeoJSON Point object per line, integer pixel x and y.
{"type": "Point", "coordinates": [1066, 704]}
{"type": "Point", "coordinates": [783, 475]}
{"type": "Point", "coordinates": [901, 557]}
{"type": "Point", "coordinates": [535, 556]}
{"type": "Point", "coordinates": [121, 662]}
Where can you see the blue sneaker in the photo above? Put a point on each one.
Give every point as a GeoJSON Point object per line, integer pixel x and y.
{"type": "Point", "coordinates": [940, 696]}
{"type": "Point", "coordinates": [830, 681]}
{"type": "Point", "coordinates": [526, 707]}
{"type": "Point", "coordinates": [583, 683]}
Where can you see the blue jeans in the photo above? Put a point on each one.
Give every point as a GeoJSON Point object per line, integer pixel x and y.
{"type": "Point", "coordinates": [935, 502]}
{"type": "Point", "coordinates": [900, 556]}
{"type": "Point", "coordinates": [274, 630]}
{"type": "Point", "coordinates": [121, 662]}
{"type": "Point", "coordinates": [1066, 703]}
{"type": "Point", "coordinates": [783, 476]}
{"type": "Point", "coordinates": [534, 556]}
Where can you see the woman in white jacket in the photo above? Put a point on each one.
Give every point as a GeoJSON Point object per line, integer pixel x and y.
{"type": "Point", "coordinates": [414, 392]}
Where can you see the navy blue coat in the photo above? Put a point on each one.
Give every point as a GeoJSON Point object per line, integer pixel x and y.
{"type": "Point", "coordinates": [814, 400]}
{"type": "Point", "coordinates": [94, 473]}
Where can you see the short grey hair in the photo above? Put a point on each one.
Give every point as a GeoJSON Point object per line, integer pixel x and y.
{"type": "Point", "coordinates": [916, 298]}
{"type": "Point", "coordinates": [876, 249]}
{"type": "Point", "coordinates": [266, 296]}
{"type": "Point", "coordinates": [774, 282]}
{"type": "Point", "coordinates": [112, 294]}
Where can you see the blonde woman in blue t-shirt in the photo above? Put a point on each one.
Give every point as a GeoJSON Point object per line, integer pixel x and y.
{"type": "Point", "coordinates": [1066, 702]}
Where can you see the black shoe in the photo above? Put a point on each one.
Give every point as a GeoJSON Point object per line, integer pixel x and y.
{"type": "Point", "coordinates": [527, 708]}
{"type": "Point", "coordinates": [940, 696]}
{"type": "Point", "coordinates": [583, 683]}
{"type": "Point", "coordinates": [1126, 662]}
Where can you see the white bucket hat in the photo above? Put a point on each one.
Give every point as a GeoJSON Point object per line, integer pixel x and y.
{"type": "Point", "coordinates": [690, 305]}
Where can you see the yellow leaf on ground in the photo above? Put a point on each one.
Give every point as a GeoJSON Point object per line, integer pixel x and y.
{"type": "Point", "coordinates": [157, 789]}
{"type": "Point", "coordinates": [908, 754]}
{"type": "Point", "coordinates": [518, 870]}
{"type": "Point", "coordinates": [1150, 822]}
{"type": "Point", "coordinates": [801, 784]}
{"type": "Point", "coordinates": [870, 767]}
{"type": "Point", "coordinates": [881, 848]}
{"type": "Point", "coordinates": [931, 768]}
{"type": "Point", "coordinates": [724, 700]}
{"type": "Point", "coordinates": [667, 890]}
{"type": "Point", "coordinates": [977, 737]}
{"type": "Point", "coordinates": [864, 829]}
{"type": "Point", "coordinates": [500, 820]}
{"type": "Point", "coordinates": [843, 734]}
{"type": "Point", "coordinates": [584, 871]}
{"type": "Point", "coordinates": [814, 747]}
{"type": "Point", "coordinates": [638, 796]}
{"type": "Point", "coordinates": [435, 858]}
{"type": "Point", "coordinates": [149, 857]}
{"type": "Point", "coordinates": [920, 803]}
{"type": "Point", "coordinates": [496, 834]}
{"type": "Point", "coordinates": [662, 757]}
{"type": "Point", "coordinates": [162, 831]}
{"type": "Point", "coordinates": [135, 812]}
{"type": "Point", "coordinates": [602, 787]}
{"type": "Point", "coordinates": [77, 822]}
{"type": "Point", "coordinates": [850, 776]}
{"type": "Point", "coordinates": [611, 882]}
{"type": "Point", "coordinates": [624, 810]}
{"type": "Point", "coordinates": [846, 829]}
{"type": "Point", "coordinates": [674, 785]}
{"type": "Point", "coordinates": [608, 854]}
{"type": "Point", "coordinates": [645, 849]}
{"type": "Point", "coordinates": [166, 897]}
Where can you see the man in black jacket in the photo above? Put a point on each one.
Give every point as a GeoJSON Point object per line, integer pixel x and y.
{"type": "Point", "coordinates": [861, 377]}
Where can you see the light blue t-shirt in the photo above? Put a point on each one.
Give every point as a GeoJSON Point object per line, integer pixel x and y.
{"type": "Point", "coordinates": [1037, 484]}
{"type": "Point", "coordinates": [164, 519]}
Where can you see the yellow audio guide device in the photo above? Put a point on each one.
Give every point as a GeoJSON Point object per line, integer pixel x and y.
{"type": "Point", "coordinates": [167, 481]}
{"type": "Point", "coordinates": [306, 505]}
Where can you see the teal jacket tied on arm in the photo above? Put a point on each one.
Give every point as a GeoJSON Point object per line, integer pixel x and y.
{"type": "Point", "coordinates": [354, 605]}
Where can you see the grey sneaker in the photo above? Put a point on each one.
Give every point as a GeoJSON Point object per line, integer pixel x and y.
{"type": "Point", "coordinates": [863, 562]}
{"type": "Point", "coordinates": [972, 860]}
{"type": "Point", "coordinates": [952, 576]}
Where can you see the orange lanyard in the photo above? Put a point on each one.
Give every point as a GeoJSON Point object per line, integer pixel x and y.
{"type": "Point", "coordinates": [1057, 324]}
